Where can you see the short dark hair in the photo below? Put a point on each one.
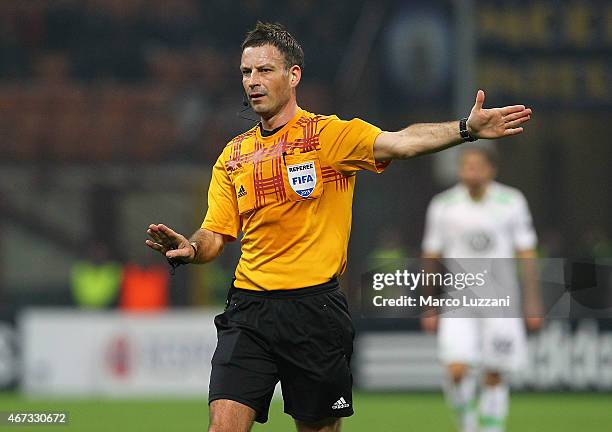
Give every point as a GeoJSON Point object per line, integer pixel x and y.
{"type": "Point", "coordinates": [489, 152]}
{"type": "Point", "coordinates": [276, 35]}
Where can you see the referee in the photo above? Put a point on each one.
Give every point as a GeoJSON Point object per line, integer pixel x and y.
{"type": "Point", "coordinates": [287, 185]}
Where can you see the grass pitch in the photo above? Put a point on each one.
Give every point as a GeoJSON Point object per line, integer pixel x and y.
{"type": "Point", "coordinates": [374, 413]}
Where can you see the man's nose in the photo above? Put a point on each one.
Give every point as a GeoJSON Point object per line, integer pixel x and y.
{"type": "Point", "coordinates": [253, 80]}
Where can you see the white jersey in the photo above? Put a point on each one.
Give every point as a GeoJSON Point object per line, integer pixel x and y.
{"type": "Point", "coordinates": [496, 226]}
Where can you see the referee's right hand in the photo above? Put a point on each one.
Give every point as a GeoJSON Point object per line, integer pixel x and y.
{"type": "Point", "coordinates": [169, 243]}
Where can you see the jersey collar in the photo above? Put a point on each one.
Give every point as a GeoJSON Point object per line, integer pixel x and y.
{"type": "Point", "coordinates": [282, 130]}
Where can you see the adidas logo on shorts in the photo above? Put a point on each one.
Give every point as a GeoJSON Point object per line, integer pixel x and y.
{"type": "Point", "coordinates": [340, 403]}
{"type": "Point", "coordinates": [241, 191]}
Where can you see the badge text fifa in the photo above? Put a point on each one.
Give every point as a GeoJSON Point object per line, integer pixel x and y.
{"type": "Point", "coordinates": [302, 178]}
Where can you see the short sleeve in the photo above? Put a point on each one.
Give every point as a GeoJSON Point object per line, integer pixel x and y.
{"type": "Point", "coordinates": [222, 215]}
{"type": "Point", "coordinates": [433, 242]}
{"type": "Point", "coordinates": [349, 145]}
{"type": "Point", "coordinates": [523, 234]}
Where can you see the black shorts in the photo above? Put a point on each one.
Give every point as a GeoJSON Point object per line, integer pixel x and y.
{"type": "Point", "coordinates": [303, 337]}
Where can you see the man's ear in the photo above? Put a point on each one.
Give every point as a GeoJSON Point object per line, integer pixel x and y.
{"type": "Point", "coordinates": [295, 75]}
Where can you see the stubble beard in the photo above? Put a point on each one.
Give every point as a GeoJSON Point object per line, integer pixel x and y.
{"type": "Point", "coordinates": [267, 113]}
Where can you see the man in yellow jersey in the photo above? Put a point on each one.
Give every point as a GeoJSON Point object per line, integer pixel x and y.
{"type": "Point", "coordinates": [287, 185]}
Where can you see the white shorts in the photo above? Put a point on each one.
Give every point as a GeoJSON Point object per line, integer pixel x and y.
{"type": "Point", "coordinates": [496, 344]}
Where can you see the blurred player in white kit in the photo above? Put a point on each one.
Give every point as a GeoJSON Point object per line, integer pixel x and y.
{"type": "Point", "coordinates": [480, 218]}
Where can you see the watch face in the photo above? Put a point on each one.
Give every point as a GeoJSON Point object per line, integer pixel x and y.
{"type": "Point", "coordinates": [463, 131]}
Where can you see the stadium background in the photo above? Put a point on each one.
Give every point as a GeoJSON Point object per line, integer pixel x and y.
{"type": "Point", "coordinates": [112, 112]}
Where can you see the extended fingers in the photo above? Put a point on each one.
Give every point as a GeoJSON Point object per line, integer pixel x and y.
{"type": "Point", "coordinates": [516, 123]}
{"type": "Point", "coordinates": [155, 235]}
{"type": "Point", "coordinates": [164, 238]}
{"type": "Point", "coordinates": [514, 119]}
{"type": "Point", "coordinates": [513, 131]}
{"type": "Point", "coordinates": [512, 109]}
{"type": "Point", "coordinates": [159, 237]}
{"type": "Point", "coordinates": [155, 246]}
{"type": "Point", "coordinates": [163, 229]}
{"type": "Point", "coordinates": [517, 115]}
{"type": "Point", "coordinates": [162, 232]}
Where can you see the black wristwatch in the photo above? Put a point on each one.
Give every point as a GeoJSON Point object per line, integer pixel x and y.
{"type": "Point", "coordinates": [463, 130]}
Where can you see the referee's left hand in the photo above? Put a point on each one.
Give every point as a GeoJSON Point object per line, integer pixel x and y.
{"type": "Point", "coordinates": [169, 243]}
{"type": "Point", "coordinates": [496, 122]}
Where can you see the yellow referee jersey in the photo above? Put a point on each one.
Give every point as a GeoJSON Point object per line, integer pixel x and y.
{"type": "Point", "coordinates": [291, 196]}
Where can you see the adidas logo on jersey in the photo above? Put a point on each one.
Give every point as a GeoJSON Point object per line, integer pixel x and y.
{"type": "Point", "coordinates": [241, 191]}
{"type": "Point", "coordinates": [340, 403]}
